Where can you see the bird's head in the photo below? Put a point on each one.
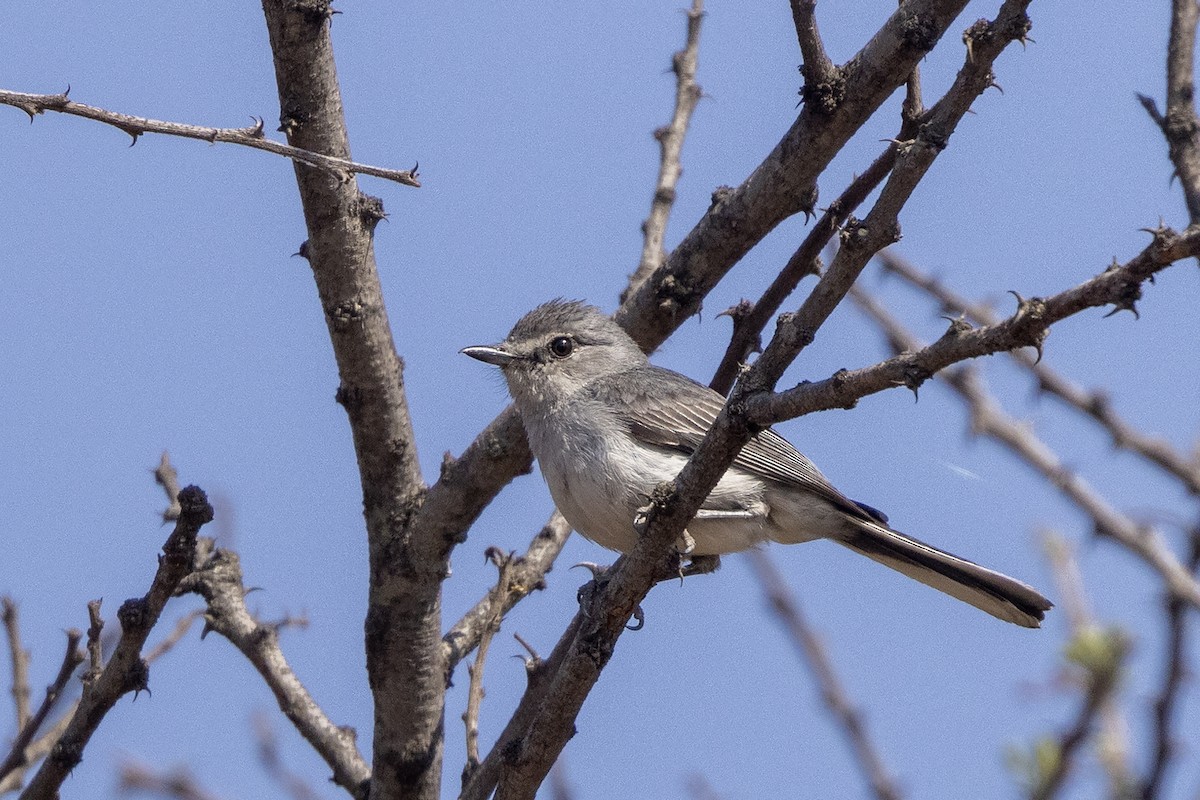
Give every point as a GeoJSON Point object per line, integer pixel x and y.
{"type": "Point", "coordinates": [557, 349]}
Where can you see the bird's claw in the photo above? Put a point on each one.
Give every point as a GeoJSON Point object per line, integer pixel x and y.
{"type": "Point", "coordinates": [588, 591]}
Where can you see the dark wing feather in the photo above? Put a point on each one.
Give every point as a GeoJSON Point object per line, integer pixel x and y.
{"type": "Point", "coordinates": [670, 410]}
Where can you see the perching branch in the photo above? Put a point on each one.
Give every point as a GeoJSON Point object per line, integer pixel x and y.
{"type": "Point", "coordinates": [1093, 403]}
{"type": "Point", "coordinates": [250, 136]}
{"type": "Point", "coordinates": [218, 579]}
{"type": "Point", "coordinates": [126, 671]}
{"type": "Point", "coordinates": [670, 140]}
{"type": "Point", "coordinates": [833, 693]}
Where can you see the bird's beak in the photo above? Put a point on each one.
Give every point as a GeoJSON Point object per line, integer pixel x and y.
{"type": "Point", "coordinates": [490, 354]}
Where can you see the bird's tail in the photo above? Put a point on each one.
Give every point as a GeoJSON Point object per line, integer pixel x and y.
{"type": "Point", "coordinates": [999, 595]}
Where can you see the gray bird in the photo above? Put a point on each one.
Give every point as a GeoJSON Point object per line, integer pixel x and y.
{"type": "Point", "coordinates": [607, 427]}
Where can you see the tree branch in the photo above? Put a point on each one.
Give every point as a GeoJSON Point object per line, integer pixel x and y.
{"type": "Point", "coordinates": [1180, 126]}
{"type": "Point", "coordinates": [126, 671]}
{"type": "Point", "coordinates": [1175, 672]}
{"type": "Point", "coordinates": [19, 659]}
{"type": "Point", "coordinates": [1119, 285]}
{"type": "Point", "coordinates": [812, 652]}
{"type": "Point", "coordinates": [251, 136]}
{"type": "Point", "coordinates": [496, 598]}
{"type": "Point", "coordinates": [988, 419]}
{"type": "Point", "coordinates": [526, 574]}
{"type": "Point", "coordinates": [18, 755]}
{"type": "Point", "coordinates": [670, 140]}
{"type": "Point", "coordinates": [403, 626]}
{"type": "Point", "coordinates": [1093, 403]}
{"type": "Point", "coordinates": [822, 81]}
{"type": "Point", "coordinates": [784, 184]}
{"type": "Point", "coordinates": [218, 579]}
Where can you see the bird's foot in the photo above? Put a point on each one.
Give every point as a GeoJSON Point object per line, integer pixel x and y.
{"type": "Point", "coordinates": [588, 592]}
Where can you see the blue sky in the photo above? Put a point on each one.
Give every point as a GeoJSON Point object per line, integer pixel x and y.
{"type": "Point", "coordinates": [151, 302]}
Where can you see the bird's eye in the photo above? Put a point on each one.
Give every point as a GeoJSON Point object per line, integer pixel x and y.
{"type": "Point", "coordinates": [562, 346]}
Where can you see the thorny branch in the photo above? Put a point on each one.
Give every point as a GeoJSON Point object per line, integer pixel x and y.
{"type": "Point", "coordinates": [126, 671]}
{"type": "Point", "coordinates": [1180, 126]}
{"type": "Point", "coordinates": [988, 419]}
{"type": "Point", "coordinates": [19, 755]}
{"type": "Point", "coordinates": [251, 136]}
{"type": "Point", "coordinates": [1119, 285]}
{"type": "Point", "coordinates": [218, 579]}
{"type": "Point", "coordinates": [526, 574]}
{"type": "Point", "coordinates": [496, 599]}
{"type": "Point", "coordinates": [1094, 403]}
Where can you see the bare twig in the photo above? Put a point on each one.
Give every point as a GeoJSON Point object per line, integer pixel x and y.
{"type": "Point", "coordinates": [834, 695]}
{"type": "Point", "coordinates": [1119, 285]}
{"type": "Point", "coordinates": [174, 637]}
{"type": "Point", "coordinates": [496, 599]}
{"type": "Point", "coordinates": [18, 755]}
{"type": "Point", "coordinates": [670, 139]}
{"type": "Point", "coordinates": [176, 784]}
{"type": "Point", "coordinates": [19, 659]}
{"type": "Point", "coordinates": [126, 671]}
{"type": "Point", "coordinates": [1092, 402]}
{"type": "Point", "coordinates": [1100, 655]}
{"type": "Point", "coordinates": [988, 419]}
{"type": "Point", "coordinates": [251, 136]}
{"type": "Point", "coordinates": [166, 477]}
{"type": "Point", "coordinates": [218, 579]}
{"type": "Point", "coordinates": [272, 762]}
{"type": "Point", "coordinates": [1175, 670]}
{"type": "Point", "coordinates": [823, 84]}
{"type": "Point", "coordinates": [749, 319]}
{"type": "Point", "coordinates": [1112, 740]}
{"type": "Point", "coordinates": [1180, 126]}
{"type": "Point", "coordinates": [526, 574]}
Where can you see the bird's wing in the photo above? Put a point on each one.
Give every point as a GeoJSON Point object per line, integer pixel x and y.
{"type": "Point", "coordinates": [664, 408]}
